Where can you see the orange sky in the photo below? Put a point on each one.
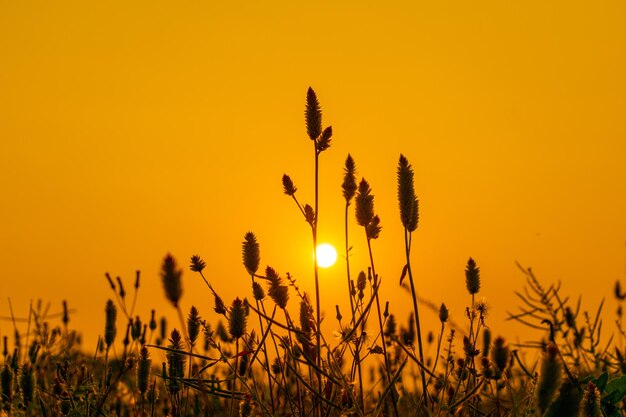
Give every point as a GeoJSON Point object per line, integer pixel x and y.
{"type": "Point", "coordinates": [133, 129]}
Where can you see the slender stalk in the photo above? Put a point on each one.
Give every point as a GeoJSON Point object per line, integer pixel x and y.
{"type": "Point", "coordinates": [380, 324]}
{"type": "Point", "coordinates": [357, 358]}
{"type": "Point", "coordinates": [416, 312]}
{"type": "Point", "coordinates": [267, 362]}
{"type": "Point", "coordinates": [315, 272]}
{"type": "Point", "coordinates": [235, 377]}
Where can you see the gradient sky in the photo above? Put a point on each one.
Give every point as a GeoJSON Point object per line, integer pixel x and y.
{"type": "Point", "coordinates": [132, 129]}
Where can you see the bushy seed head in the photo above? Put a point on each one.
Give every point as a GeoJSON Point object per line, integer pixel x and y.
{"type": "Point", "coordinates": [486, 342]}
{"type": "Point", "coordinates": [472, 277]}
{"type": "Point", "coordinates": [323, 142]}
{"type": "Point", "coordinates": [257, 291]}
{"type": "Point", "coordinates": [309, 214]}
{"type": "Point", "coordinates": [109, 328]}
{"type": "Point", "coordinates": [549, 378]}
{"type": "Point", "coordinates": [590, 404]}
{"type": "Point", "coordinates": [237, 319]}
{"type": "Point", "coordinates": [251, 253]}
{"type": "Point", "coordinates": [220, 307]}
{"type": "Point", "coordinates": [175, 363]}
{"type": "Point", "coordinates": [193, 325]}
{"type": "Point", "coordinates": [6, 384]}
{"type": "Point", "coordinates": [443, 313]}
{"type": "Point", "coordinates": [313, 115]}
{"type": "Point", "coordinates": [27, 384]}
{"type": "Point", "coordinates": [143, 370]}
{"type": "Point", "coordinates": [349, 179]}
{"type": "Point", "coordinates": [288, 187]}
{"type": "Point", "coordinates": [307, 320]}
{"type": "Point", "coordinates": [364, 204]}
{"type": "Point", "coordinates": [171, 278]}
{"type": "Point", "coordinates": [500, 354]}
{"type": "Point", "coordinates": [409, 205]}
{"type": "Point", "coordinates": [373, 228]}
{"type": "Point", "coordinates": [277, 292]}
{"type": "Point", "coordinates": [197, 263]}
{"type": "Point", "coordinates": [391, 326]}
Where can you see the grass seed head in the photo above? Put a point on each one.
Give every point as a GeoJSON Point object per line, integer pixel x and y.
{"type": "Point", "coordinates": [349, 180]}
{"type": "Point", "coordinates": [171, 277]}
{"type": "Point", "coordinates": [472, 277]}
{"type": "Point", "coordinates": [549, 378]}
{"type": "Point", "coordinates": [143, 370]}
{"type": "Point", "coordinates": [110, 330]}
{"type": "Point", "coordinates": [313, 115]}
{"type": "Point", "coordinates": [251, 253]}
{"type": "Point", "coordinates": [193, 325]}
{"type": "Point", "coordinates": [237, 319]}
{"type": "Point", "coordinates": [409, 205]}
{"type": "Point", "coordinates": [197, 264]}
{"type": "Point", "coordinates": [364, 204]}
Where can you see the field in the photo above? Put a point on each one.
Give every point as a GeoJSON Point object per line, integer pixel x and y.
{"type": "Point", "coordinates": [268, 356]}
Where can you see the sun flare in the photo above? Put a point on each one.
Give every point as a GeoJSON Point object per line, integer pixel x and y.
{"type": "Point", "coordinates": [326, 255]}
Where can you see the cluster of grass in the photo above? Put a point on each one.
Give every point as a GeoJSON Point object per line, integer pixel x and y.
{"type": "Point", "coordinates": [286, 367]}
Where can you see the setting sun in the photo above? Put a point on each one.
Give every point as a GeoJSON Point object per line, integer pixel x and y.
{"type": "Point", "coordinates": [326, 255]}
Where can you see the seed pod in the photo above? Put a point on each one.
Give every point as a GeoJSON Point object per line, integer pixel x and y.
{"type": "Point", "coordinates": [486, 342]}
{"type": "Point", "coordinates": [364, 204]}
{"type": "Point", "coordinates": [237, 319]}
{"type": "Point", "coordinates": [409, 205]}
{"type": "Point", "coordinates": [472, 277]}
{"type": "Point", "coordinates": [27, 384]}
{"type": "Point", "coordinates": [313, 115]}
{"type": "Point", "coordinates": [171, 278]}
{"type": "Point", "coordinates": [349, 180]}
{"type": "Point", "coordinates": [590, 404]}
{"type": "Point", "coordinates": [549, 378]}
{"type": "Point", "coordinates": [277, 292]}
{"type": "Point", "coordinates": [143, 370]}
{"type": "Point", "coordinates": [251, 253]}
{"type": "Point", "coordinates": [500, 356]}
{"type": "Point", "coordinates": [109, 328]}
{"type": "Point", "coordinates": [197, 264]}
{"type": "Point", "coordinates": [443, 313]}
{"type": "Point", "coordinates": [175, 363]}
{"type": "Point", "coordinates": [257, 291]}
{"type": "Point", "coordinates": [193, 325]}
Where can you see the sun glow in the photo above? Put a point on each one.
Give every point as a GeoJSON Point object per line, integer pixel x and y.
{"type": "Point", "coordinates": [326, 255]}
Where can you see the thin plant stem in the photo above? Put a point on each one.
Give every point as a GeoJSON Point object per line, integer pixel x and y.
{"type": "Point", "coordinates": [380, 323]}
{"type": "Point", "coordinates": [315, 272]}
{"type": "Point", "coordinates": [416, 311]}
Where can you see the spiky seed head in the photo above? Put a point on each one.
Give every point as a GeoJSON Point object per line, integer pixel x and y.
{"type": "Point", "coordinates": [443, 313]}
{"type": "Point", "coordinates": [110, 330]}
{"type": "Point", "coordinates": [257, 291]}
{"type": "Point", "coordinates": [143, 370]}
{"type": "Point", "coordinates": [175, 363]}
{"type": "Point", "coordinates": [590, 405]}
{"type": "Point", "coordinates": [220, 307]}
{"type": "Point", "coordinates": [197, 263]}
{"type": "Point", "coordinates": [245, 407]}
{"type": "Point", "coordinates": [374, 228]}
{"type": "Point", "coordinates": [277, 292]}
{"type": "Point", "coordinates": [136, 327]}
{"type": "Point", "coordinates": [27, 384]}
{"type": "Point", "coordinates": [361, 282]}
{"type": "Point", "coordinates": [549, 378]}
{"type": "Point", "coordinates": [153, 323]}
{"type": "Point", "coordinates": [391, 326]}
{"type": "Point", "coordinates": [500, 354]}
{"type": "Point", "coordinates": [307, 320]}
{"type": "Point", "coordinates": [323, 142]}
{"type": "Point", "coordinates": [288, 187]}
{"type": "Point", "coordinates": [237, 319]}
{"type": "Point", "coordinates": [171, 278]}
{"type": "Point", "coordinates": [309, 214]}
{"type": "Point", "coordinates": [6, 384]}
{"type": "Point", "coordinates": [472, 277]}
{"type": "Point", "coordinates": [313, 115]}
{"type": "Point", "coordinates": [349, 179]}
{"type": "Point", "coordinates": [409, 205]}
{"type": "Point", "coordinates": [251, 253]}
{"type": "Point", "coordinates": [193, 325]}
{"type": "Point", "coordinates": [486, 342]}
{"type": "Point", "coordinates": [364, 204]}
